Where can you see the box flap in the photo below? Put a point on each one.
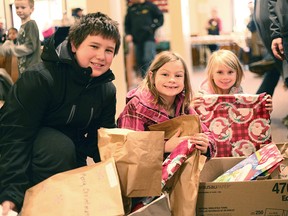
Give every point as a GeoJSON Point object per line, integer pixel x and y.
{"type": "Point", "coordinates": [217, 166]}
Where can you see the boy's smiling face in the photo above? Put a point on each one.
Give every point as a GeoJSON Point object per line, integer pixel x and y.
{"type": "Point", "coordinates": [95, 52]}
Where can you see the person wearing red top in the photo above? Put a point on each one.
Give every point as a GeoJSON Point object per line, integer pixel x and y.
{"type": "Point", "coordinates": [214, 27]}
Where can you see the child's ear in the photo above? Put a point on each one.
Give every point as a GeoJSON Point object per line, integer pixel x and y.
{"type": "Point", "coordinates": [73, 48]}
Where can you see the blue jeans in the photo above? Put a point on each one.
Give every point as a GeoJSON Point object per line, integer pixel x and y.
{"type": "Point", "coordinates": [145, 53]}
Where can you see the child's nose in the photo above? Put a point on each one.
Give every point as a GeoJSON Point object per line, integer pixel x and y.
{"type": "Point", "coordinates": [100, 54]}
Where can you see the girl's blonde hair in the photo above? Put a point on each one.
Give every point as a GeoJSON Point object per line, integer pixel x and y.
{"type": "Point", "coordinates": [227, 58]}
{"type": "Point", "coordinates": [149, 82]}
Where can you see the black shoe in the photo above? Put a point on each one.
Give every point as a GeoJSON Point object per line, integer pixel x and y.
{"type": "Point", "coordinates": [260, 67]}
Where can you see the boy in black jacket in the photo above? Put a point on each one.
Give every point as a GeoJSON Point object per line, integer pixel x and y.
{"type": "Point", "coordinates": [50, 119]}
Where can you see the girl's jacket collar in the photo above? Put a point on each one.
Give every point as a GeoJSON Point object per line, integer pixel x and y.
{"type": "Point", "coordinates": [145, 98]}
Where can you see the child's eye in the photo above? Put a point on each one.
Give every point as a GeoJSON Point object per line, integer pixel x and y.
{"type": "Point", "coordinates": [231, 72]}
{"type": "Point", "coordinates": [164, 74]}
{"type": "Point", "coordinates": [179, 75]}
{"type": "Point", "coordinates": [110, 51]}
{"type": "Point", "coordinates": [219, 72]}
{"type": "Point", "coordinates": [94, 46]}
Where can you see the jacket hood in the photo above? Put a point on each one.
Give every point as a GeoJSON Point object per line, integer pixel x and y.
{"type": "Point", "coordinates": [145, 97]}
{"type": "Point", "coordinates": [49, 50]}
{"type": "Point", "coordinates": [58, 49]}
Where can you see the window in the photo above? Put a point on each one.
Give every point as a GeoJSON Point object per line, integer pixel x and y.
{"type": "Point", "coordinates": [45, 12]}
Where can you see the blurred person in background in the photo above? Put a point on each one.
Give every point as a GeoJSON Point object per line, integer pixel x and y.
{"type": "Point", "coordinates": [2, 32]}
{"type": "Point", "coordinates": [263, 24]}
{"type": "Point", "coordinates": [141, 21]}
{"type": "Point", "coordinates": [214, 27]}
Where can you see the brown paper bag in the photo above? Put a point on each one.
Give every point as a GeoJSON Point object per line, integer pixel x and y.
{"type": "Point", "coordinates": [138, 156]}
{"type": "Point", "coordinates": [158, 207]}
{"type": "Point", "coordinates": [189, 124]}
{"type": "Point", "coordinates": [282, 170]}
{"type": "Point", "coordinates": [183, 186]}
{"type": "Point", "coordinates": [89, 190]}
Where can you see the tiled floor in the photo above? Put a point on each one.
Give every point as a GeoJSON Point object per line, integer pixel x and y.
{"type": "Point", "coordinates": [250, 85]}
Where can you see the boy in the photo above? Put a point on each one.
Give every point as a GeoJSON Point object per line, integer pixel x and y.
{"type": "Point", "coordinates": [28, 48]}
{"type": "Point", "coordinates": [50, 120]}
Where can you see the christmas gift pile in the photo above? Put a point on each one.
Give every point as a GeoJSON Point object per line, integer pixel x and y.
{"type": "Point", "coordinates": [244, 185]}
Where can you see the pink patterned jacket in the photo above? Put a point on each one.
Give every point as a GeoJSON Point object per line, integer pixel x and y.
{"type": "Point", "coordinates": [140, 112]}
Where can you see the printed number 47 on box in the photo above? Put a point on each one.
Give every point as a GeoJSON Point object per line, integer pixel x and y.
{"type": "Point", "coordinates": [280, 188]}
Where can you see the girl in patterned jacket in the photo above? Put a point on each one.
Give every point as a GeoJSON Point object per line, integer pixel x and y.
{"type": "Point", "coordinates": [165, 93]}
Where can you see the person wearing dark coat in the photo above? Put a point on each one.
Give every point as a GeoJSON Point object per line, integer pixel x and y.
{"type": "Point", "coordinates": [142, 19]}
{"type": "Point", "coordinates": [268, 27]}
{"type": "Point", "coordinates": [50, 118]}
{"type": "Point", "coordinates": [279, 27]}
{"type": "Point", "coordinates": [262, 21]}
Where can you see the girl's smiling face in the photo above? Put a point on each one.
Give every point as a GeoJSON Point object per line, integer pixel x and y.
{"type": "Point", "coordinates": [95, 52]}
{"type": "Point", "coordinates": [224, 78]}
{"type": "Point", "coordinates": [169, 80]}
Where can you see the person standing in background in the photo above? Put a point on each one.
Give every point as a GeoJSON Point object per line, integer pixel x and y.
{"type": "Point", "coordinates": [279, 35]}
{"type": "Point", "coordinates": [77, 13]}
{"type": "Point", "coordinates": [214, 27]}
{"type": "Point", "coordinates": [279, 29]}
{"type": "Point", "coordinates": [2, 32]}
{"type": "Point", "coordinates": [12, 35]}
{"type": "Point", "coordinates": [254, 43]}
{"type": "Point", "coordinates": [141, 21]}
{"type": "Point", "coordinates": [28, 47]}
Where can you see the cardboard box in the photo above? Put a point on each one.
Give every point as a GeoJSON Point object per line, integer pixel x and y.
{"type": "Point", "coordinates": [259, 197]}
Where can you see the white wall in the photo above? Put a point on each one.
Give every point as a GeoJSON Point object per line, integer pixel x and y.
{"type": "Point", "coordinates": [200, 12]}
{"type": "Point", "coordinates": [2, 11]}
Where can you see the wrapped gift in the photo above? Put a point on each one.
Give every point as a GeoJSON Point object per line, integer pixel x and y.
{"type": "Point", "coordinates": [256, 164]}
{"type": "Point", "coordinates": [239, 123]}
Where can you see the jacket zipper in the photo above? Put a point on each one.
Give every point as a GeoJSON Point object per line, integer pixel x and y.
{"type": "Point", "coordinates": [90, 119]}
{"type": "Point", "coordinates": [72, 112]}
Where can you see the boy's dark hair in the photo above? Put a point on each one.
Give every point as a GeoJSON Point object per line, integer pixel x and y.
{"type": "Point", "coordinates": [95, 24]}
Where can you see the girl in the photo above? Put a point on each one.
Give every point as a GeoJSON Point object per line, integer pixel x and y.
{"type": "Point", "coordinates": [164, 93]}
{"type": "Point", "coordinates": [224, 76]}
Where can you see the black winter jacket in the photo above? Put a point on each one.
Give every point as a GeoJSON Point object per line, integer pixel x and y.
{"type": "Point", "coordinates": [142, 20]}
{"type": "Point", "coordinates": [56, 93]}
{"type": "Point", "coordinates": [279, 18]}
